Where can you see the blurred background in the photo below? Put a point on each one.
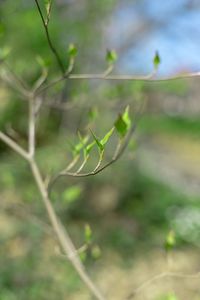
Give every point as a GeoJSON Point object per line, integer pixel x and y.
{"type": "Point", "coordinates": [149, 196]}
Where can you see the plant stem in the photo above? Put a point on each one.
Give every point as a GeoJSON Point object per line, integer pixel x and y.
{"type": "Point", "coordinates": [62, 234]}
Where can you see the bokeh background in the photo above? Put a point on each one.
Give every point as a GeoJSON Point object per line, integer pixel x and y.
{"type": "Point", "coordinates": [132, 206]}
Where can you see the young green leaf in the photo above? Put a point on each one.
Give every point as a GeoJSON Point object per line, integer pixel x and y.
{"type": "Point", "coordinates": [88, 234]}
{"type": "Point", "coordinates": [93, 113]}
{"type": "Point", "coordinates": [123, 123]}
{"type": "Point", "coordinates": [48, 6]}
{"type": "Point", "coordinates": [107, 137]}
{"type": "Point", "coordinates": [88, 148]}
{"type": "Point", "coordinates": [72, 193]}
{"type": "Point", "coordinates": [76, 149]}
{"type": "Point", "coordinates": [99, 144]}
{"type": "Point", "coordinates": [170, 240]}
{"type": "Point", "coordinates": [156, 60]}
{"type": "Point", "coordinates": [83, 256]}
{"type": "Point", "coordinates": [95, 251]}
{"type": "Point", "coordinates": [111, 57]}
{"type": "Point", "coordinates": [126, 117]}
{"type": "Point", "coordinates": [72, 50]}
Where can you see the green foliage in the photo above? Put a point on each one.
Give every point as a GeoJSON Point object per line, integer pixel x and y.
{"type": "Point", "coordinates": [92, 114]}
{"type": "Point", "coordinates": [123, 123]}
{"type": "Point", "coordinates": [95, 252]}
{"type": "Point", "coordinates": [156, 60]}
{"type": "Point", "coordinates": [107, 137]}
{"type": "Point", "coordinates": [98, 142]}
{"type": "Point", "coordinates": [101, 143]}
{"type": "Point", "coordinates": [170, 240]}
{"type": "Point", "coordinates": [72, 50]}
{"type": "Point", "coordinates": [111, 57]}
{"type": "Point", "coordinates": [88, 234]}
{"type": "Point", "coordinates": [72, 193]}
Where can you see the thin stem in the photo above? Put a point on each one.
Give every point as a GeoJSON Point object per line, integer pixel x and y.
{"type": "Point", "coordinates": [10, 78]}
{"type": "Point", "coordinates": [99, 161]}
{"type": "Point", "coordinates": [13, 145]}
{"type": "Point", "coordinates": [31, 135]}
{"type": "Point", "coordinates": [73, 163]}
{"type": "Point", "coordinates": [160, 276]}
{"type": "Point", "coordinates": [62, 234]}
{"type": "Point", "coordinates": [121, 77]}
{"type": "Point", "coordinates": [82, 165]}
{"type": "Point", "coordinates": [52, 47]}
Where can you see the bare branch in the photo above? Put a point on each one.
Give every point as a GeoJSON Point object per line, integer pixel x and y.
{"type": "Point", "coordinates": [62, 234]}
{"type": "Point", "coordinates": [13, 145]}
{"type": "Point", "coordinates": [31, 135]}
{"type": "Point", "coordinates": [118, 77]}
{"type": "Point", "coordinates": [13, 80]}
{"type": "Point", "coordinates": [160, 276]}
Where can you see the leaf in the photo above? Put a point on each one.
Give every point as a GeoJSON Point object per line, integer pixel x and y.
{"type": "Point", "coordinates": [107, 137]}
{"type": "Point", "coordinates": [88, 234]}
{"type": "Point", "coordinates": [76, 149]}
{"type": "Point", "coordinates": [72, 193]}
{"type": "Point", "coordinates": [83, 256]}
{"type": "Point", "coordinates": [156, 60]}
{"type": "Point", "coordinates": [123, 123]}
{"type": "Point", "coordinates": [170, 240]}
{"type": "Point", "coordinates": [99, 144]}
{"type": "Point", "coordinates": [89, 147]}
{"type": "Point", "coordinates": [72, 50]}
{"type": "Point", "coordinates": [111, 56]}
{"type": "Point", "coordinates": [126, 117]}
{"type": "Point", "coordinates": [93, 113]}
{"type": "Point", "coordinates": [96, 252]}
{"type": "Point", "coordinates": [48, 6]}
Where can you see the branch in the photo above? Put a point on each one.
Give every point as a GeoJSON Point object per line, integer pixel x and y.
{"type": "Point", "coordinates": [160, 276]}
{"type": "Point", "coordinates": [13, 145]}
{"type": "Point", "coordinates": [51, 46]}
{"type": "Point", "coordinates": [121, 77]}
{"type": "Point", "coordinates": [31, 135]}
{"type": "Point", "coordinates": [62, 234]}
{"type": "Point", "coordinates": [118, 153]}
{"type": "Point", "coordinates": [13, 80]}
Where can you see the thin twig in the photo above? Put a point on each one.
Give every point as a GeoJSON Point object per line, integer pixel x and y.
{"type": "Point", "coordinates": [62, 234]}
{"type": "Point", "coordinates": [52, 47]}
{"type": "Point", "coordinates": [118, 77]}
{"type": "Point", "coordinates": [160, 276]}
{"type": "Point", "coordinates": [10, 78]}
{"type": "Point", "coordinates": [13, 145]}
{"type": "Point", "coordinates": [31, 134]}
